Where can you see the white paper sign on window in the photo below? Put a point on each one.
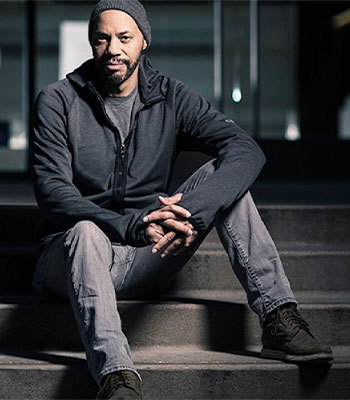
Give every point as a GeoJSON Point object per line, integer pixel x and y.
{"type": "Point", "coordinates": [74, 46]}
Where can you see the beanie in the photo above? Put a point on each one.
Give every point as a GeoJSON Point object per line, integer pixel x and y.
{"type": "Point", "coordinates": [132, 7]}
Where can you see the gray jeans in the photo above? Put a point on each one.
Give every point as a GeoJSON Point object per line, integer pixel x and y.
{"type": "Point", "coordinates": [85, 266]}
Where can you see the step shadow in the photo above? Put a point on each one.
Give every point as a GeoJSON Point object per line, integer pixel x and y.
{"type": "Point", "coordinates": [312, 377]}
{"type": "Point", "coordinates": [73, 381]}
{"type": "Point", "coordinates": [38, 323]}
{"type": "Point", "coordinates": [44, 357]}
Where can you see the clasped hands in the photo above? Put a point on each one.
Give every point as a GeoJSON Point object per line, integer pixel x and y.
{"type": "Point", "coordinates": [168, 227]}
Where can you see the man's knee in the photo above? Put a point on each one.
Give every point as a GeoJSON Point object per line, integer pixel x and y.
{"type": "Point", "coordinates": [86, 230]}
{"type": "Point", "coordinates": [88, 239]}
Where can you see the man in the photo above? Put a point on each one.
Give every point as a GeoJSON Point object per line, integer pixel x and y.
{"type": "Point", "coordinates": [104, 146]}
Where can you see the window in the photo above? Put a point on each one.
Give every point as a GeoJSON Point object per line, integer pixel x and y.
{"type": "Point", "coordinates": [13, 129]}
{"type": "Point", "coordinates": [303, 89]}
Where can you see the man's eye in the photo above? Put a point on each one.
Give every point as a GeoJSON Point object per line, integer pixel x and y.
{"type": "Point", "coordinates": [125, 38]}
{"type": "Point", "coordinates": [100, 39]}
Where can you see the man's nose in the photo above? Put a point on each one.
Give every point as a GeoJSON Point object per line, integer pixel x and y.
{"type": "Point", "coordinates": [114, 47]}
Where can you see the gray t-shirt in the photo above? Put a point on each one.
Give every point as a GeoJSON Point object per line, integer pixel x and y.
{"type": "Point", "coordinates": [119, 110]}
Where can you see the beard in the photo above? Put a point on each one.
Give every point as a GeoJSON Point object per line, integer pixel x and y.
{"type": "Point", "coordinates": [110, 80]}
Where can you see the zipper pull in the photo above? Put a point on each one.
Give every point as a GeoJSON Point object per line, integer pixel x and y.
{"type": "Point", "coordinates": [122, 151]}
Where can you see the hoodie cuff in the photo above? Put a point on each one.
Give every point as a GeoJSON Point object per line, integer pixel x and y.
{"type": "Point", "coordinates": [195, 219]}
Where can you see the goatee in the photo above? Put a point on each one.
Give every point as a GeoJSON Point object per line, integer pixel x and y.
{"type": "Point", "coordinates": [111, 80]}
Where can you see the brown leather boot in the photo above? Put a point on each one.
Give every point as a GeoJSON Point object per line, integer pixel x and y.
{"type": "Point", "coordinates": [287, 336]}
{"type": "Point", "coordinates": [121, 385]}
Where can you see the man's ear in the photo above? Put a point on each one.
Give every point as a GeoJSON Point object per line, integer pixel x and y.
{"type": "Point", "coordinates": [144, 45]}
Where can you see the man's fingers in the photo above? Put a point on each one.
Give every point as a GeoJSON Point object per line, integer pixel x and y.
{"type": "Point", "coordinates": [171, 241]}
{"type": "Point", "coordinates": [179, 245]}
{"type": "Point", "coordinates": [186, 243]}
{"type": "Point", "coordinates": [177, 226]}
{"type": "Point", "coordinates": [171, 199]}
{"type": "Point", "coordinates": [172, 247]}
{"type": "Point", "coordinates": [166, 239]}
{"type": "Point", "coordinates": [170, 211]}
{"type": "Point", "coordinates": [159, 215]}
{"type": "Point", "coordinates": [178, 210]}
{"type": "Point", "coordinates": [154, 232]}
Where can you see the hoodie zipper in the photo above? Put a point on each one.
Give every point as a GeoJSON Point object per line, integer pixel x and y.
{"type": "Point", "coordinates": [120, 153]}
{"type": "Point", "coordinates": [119, 182]}
{"type": "Point", "coordinates": [123, 155]}
{"type": "Point", "coordinates": [121, 172]}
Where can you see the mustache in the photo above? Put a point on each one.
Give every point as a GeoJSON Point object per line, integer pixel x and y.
{"type": "Point", "coordinates": [107, 59]}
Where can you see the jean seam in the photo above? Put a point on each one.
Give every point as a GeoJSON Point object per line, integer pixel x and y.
{"type": "Point", "coordinates": [112, 261]}
{"type": "Point", "coordinates": [279, 302]}
{"type": "Point", "coordinates": [245, 261]}
{"type": "Point", "coordinates": [71, 283]}
{"type": "Point", "coordinates": [130, 261]}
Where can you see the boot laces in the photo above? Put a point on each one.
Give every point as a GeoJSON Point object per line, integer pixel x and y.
{"type": "Point", "coordinates": [114, 381]}
{"type": "Point", "coordinates": [119, 379]}
{"type": "Point", "coordinates": [291, 316]}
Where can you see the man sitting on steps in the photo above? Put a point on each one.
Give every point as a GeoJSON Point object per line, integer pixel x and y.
{"type": "Point", "coordinates": [104, 146]}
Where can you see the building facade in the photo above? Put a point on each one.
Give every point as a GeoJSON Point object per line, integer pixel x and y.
{"type": "Point", "coordinates": [278, 68]}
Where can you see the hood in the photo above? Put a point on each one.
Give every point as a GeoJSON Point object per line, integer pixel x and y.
{"type": "Point", "coordinates": [152, 85]}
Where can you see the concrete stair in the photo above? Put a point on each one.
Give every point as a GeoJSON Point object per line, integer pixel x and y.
{"type": "Point", "coordinates": [199, 340]}
{"type": "Point", "coordinates": [178, 373]}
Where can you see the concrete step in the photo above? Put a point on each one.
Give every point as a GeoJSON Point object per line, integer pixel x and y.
{"type": "Point", "coordinates": [209, 269]}
{"type": "Point", "coordinates": [211, 320]}
{"type": "Point", "coordinates": [299, 227]}
{"type": "Point", "coordinates": [302, 226]}
{"type": "Point", "coordinates": [312, 270]}
{"type": "Point", "coordinates": [289, 225]}
{"type": "Point", "coordinates": [181, 372]}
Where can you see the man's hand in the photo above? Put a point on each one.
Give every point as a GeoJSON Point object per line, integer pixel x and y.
{"type": "Point", "coordinates": [169, 226]}
{"type": "Point", "coordinates": [154, 232]}
{"type": "Point", "coordinates": [176, 243]}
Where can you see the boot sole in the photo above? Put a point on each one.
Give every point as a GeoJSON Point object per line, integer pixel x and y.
{"type": "Point", "coordinates": [306, 358]}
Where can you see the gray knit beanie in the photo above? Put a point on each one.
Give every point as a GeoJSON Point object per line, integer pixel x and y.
{"type": "Point", "coordinates": [132, 7]}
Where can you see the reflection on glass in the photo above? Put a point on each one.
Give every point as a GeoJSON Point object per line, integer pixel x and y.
{"type": "Point", "coordinates": [182, 42]}
{"type": "Point", "coordinates": [292, 126]}
{"type": "Point", "coordinates": [13, 137]}
{"type": "Point", "coordinates": [54, 20]}
{"type": "Point", "coordinates": [236, 87]}
{"type": "Point", "coordinates": [279, 117]}
{"type": "Point", "coordinates": [344, 119]}
{"type": "Point", "coordinates": [236, 94]}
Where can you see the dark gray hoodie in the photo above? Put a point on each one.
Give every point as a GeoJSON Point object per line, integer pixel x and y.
{"type": "Point", "coordinates": [81, 171]}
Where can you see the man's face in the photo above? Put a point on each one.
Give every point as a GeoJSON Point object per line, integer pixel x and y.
{"type": "Point", "coordinates": [116, 43]}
